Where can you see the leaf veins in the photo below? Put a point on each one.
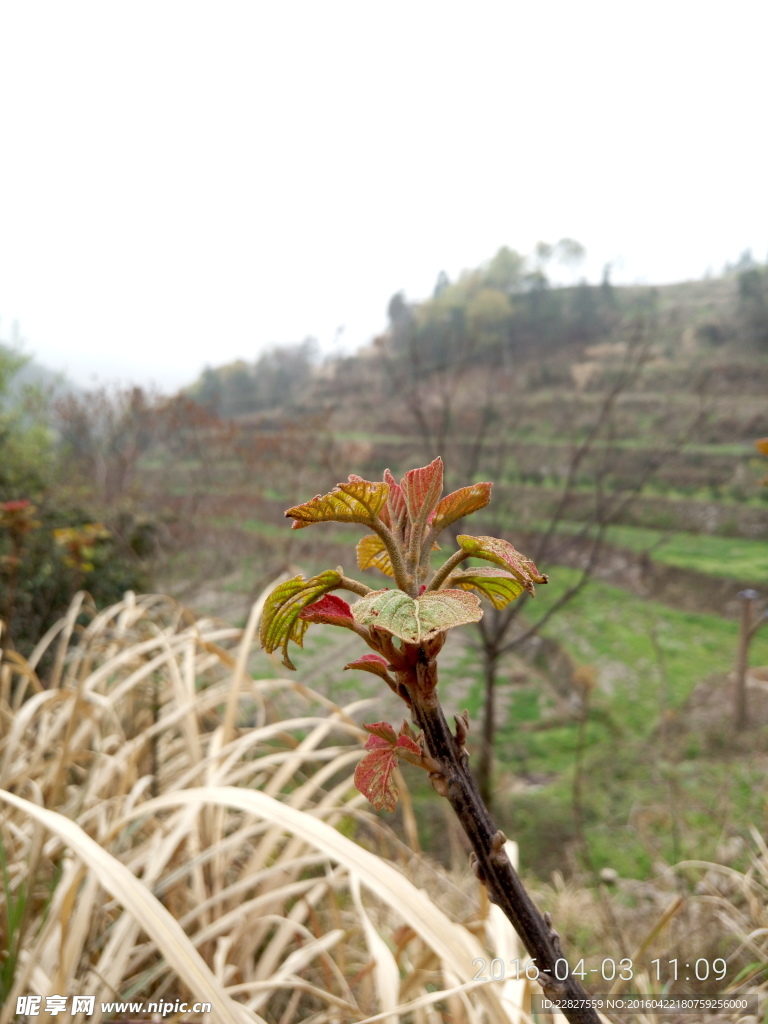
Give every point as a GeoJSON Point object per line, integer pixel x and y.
{"type": "Point", "coordinates": [280, 621]}
{"type": "Point", "coordinates": [357, 501]}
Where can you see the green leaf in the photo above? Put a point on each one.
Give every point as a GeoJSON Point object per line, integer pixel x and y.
{"type": "Point", "coordinates": [461, 503]}
{"type": "Point", "coordinates": [372, 554]}
{"type": "Point", "coordinates": [417, 619]}
{"type": "Point", "coordinates": [502, 553]}
{"type": "Point", "coordinates": [357, 501]}
{"type": "Point", "coordinates": [422, 488]}
{"type": "Point", "coordinates": [280, 620]}
{"type": "Point", "coordinates": [499, 587]}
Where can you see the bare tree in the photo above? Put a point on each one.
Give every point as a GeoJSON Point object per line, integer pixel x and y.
{"type": "Point", "coordinates": [103, 434]}
{"type": "Point", "coordinates": [464, 408]}
{"type": "Point", "coordinates": [502, 632]}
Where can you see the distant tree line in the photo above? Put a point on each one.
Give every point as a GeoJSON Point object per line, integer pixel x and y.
{"type": "Point", "coordinates": [511, 309]}
{"type": "Point", "coordinates": [276, 380]}
{"type": "Point", "coordinates": [746, 323]}
{"type": "Point", "coordinates": [504, 308]}
{"type": "Point", "coordinates": [753, 307]}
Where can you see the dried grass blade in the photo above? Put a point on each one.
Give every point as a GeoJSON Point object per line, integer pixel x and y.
{"type": "Point", "coordinates": [244, 650]}
{"type": "Point", "coordinates": [452, 943]}
{"type": "Point", "coordinates": [13, 741]}
{"type": "Point", "coordinates": [503, 940]}
{"type": "Point", "coordinates": [430, 998]}
{"type": "Point", "coordinates": [296, 961]}
{"type": "Point", "coordinates": [385, 972]}
{"type": "Point", "coordinates": [136, 898]}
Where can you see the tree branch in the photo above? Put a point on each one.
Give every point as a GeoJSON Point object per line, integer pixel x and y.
{"type": "Point", "coordinates": [490, 861]}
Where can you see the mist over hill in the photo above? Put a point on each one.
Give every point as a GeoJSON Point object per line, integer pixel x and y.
{"type": "Point", "coordinates": [509, 314]}
{"type": "Point", "coordinates": [31, 375]}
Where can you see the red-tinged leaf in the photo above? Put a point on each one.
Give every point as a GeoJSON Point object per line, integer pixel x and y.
{"type": "Point", "coordinates": [329, 609]}
{"type": "Point", "coordinates": [357, 501]}
{"type": "Point", "coordinates": [372, 554]}
{"type": "Point", "coordinates": [373, 663]}
{"type": "Point", "coordinates": [461, 503]}
{"type": "Point", "coordinates": [407, 730]}
{"type": "Point", "coordinates": [417, 619]}
{"type": "Point", "coordinates": [396, 510]}
{"type": "Point", "coordinates": [373, 775]}
{"type": "Point", "coordinates": [762, 445]}
{"type": "Point", "coordinates": [280, 621]}
{"type": "Point", "coordinates": [373, 778]}
{"type": "Point", "coordinates": [502, 553]}
{"type": "Point", "coordinates": [405, 743]}
{"type": "Point", "coordinates": [498, 586]}
{"type": "Point", "coordinates": [422, 489]}
{"type": "Point", "coordinates": [381, 732]}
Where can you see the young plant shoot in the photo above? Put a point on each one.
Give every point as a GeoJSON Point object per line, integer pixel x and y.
{"type": "Point", "coordinates": [405, 628]}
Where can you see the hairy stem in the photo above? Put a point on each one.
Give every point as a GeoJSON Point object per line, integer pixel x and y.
{"type": "Point", "coordinates": [445, 570]}
{"type": "Point", "coordinates": [352, 585]}
{"type": "Point", "coordinates": [403, 579]}
{"type": "Point", "coordinates": [415, 542]}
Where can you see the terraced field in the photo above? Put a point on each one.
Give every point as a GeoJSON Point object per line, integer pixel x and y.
{"type": "Point", "coordinates": [646, 769]}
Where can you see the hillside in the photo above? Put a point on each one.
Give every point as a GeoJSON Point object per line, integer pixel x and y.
{"type": "Point", "coordinates": [711, 334]}
{"type": "Point", "coordinates": [626, 447]}
{"type": "Point", "coordinates": [509, 378]}
{"type": "Point", "coordinates": [618, 427]}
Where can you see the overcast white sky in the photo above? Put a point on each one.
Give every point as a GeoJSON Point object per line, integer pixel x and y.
{"type": "Point", "coordinates": [184, 183]}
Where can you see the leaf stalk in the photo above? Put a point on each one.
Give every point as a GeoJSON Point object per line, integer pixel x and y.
{"type": "Point", "coordinates": [446, 569]}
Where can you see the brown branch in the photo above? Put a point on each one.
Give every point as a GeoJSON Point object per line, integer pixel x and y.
{"type": "Point", "coordinates": [489, 861]}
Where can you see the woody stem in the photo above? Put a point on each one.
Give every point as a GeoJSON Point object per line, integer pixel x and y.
{"type": "Point", "coordinates": [493, 865]}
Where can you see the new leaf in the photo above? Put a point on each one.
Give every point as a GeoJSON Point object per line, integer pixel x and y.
{"type": "Point", "coordinates": [280, 620]}
{"type": "Point", "coordinates": [331, 610]}
{"type": "Point", "coordinates": [395, 511]}
{"type": "Point", "coordinates": [417, 619]}
{"type": "Point", "coordinates": [372, 554]}
{"type": "Point", "coordinates": [502, 553]}
{"type": "Point", "coordinates": [422, 489]}
{"type": "Point", "coordinates": [461, 503]}
{"type": "Point", "coordinates": [373, 663]}
{"type": "Point", "coordinates": [373, 775]}
{"type": "Point", "coordinates": [498, 586]}
{"type": "Point", "coordinates": [357, 501]}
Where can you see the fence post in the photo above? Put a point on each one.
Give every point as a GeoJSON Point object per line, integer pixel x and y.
{"type": "Point", "coordinates": [747, 598]}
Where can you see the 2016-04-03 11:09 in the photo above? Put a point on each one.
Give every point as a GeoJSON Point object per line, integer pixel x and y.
{"type": "Point", "coordinates": [609, 969]}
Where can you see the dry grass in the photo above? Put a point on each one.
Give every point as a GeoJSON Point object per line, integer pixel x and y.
{"type": "Point", "coordinates": [693, 911]}
{"type": "Point", "coordinates": [174, 829]}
